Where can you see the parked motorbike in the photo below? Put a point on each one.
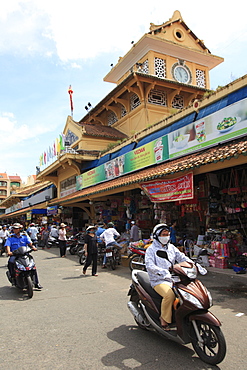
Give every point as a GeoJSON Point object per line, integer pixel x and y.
{"type": "Point", "coordinates": [24, 277]}
{"type": "Point", "coordinates": [75, 244]}
{"type": "Point", "coordinates": [2, 247]}
{"type": "Point", "coordinates": [52, 242]}
{"type": "Point", "coordinates": [136, 258]}
{"type": "Point", "coordinates": [192, 322]}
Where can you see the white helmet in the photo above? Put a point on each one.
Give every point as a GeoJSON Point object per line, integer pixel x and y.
{"type": "Point", "coordinates": [158, 228]}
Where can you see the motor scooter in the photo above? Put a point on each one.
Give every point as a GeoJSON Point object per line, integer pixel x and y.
{"type": "Point", "coordinates": [52, 242]}
{"type": "Point", "coordinates": [24, 270]}
{"type": "Point", "coordinates": [192, 322]}
{"type": "Point", "coordinates": [136, 257]}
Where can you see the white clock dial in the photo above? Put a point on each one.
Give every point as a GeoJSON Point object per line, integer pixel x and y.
{"type": "Point", "coordinates": [181, 74]}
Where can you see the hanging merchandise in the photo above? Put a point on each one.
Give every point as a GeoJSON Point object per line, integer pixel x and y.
{"type": "Point", "coordinates": [128, 213]}
{"type": "Point", "coordinates": [133, 206]}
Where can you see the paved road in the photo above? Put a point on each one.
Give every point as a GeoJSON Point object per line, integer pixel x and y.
{"type": "Point", "coordinates": [82, 322]}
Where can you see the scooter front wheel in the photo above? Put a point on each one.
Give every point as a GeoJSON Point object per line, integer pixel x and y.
{"type": "Point", "coordinates": [82, 258]}
{"type": "Point", "coordinates": [212, 347]}
{"type": "Point", "coordinates": [29, 286]}
{"type": "Point", "coordinates": [137, 262]}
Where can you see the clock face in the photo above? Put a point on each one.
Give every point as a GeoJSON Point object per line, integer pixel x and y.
{"type": "Point", "coordinates": [181, 74]}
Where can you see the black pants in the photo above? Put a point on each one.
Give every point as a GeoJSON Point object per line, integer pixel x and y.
{"type": "Point", "coordinates": [90, 258]}
{"type": "Point", "coordinates": [62, 246]}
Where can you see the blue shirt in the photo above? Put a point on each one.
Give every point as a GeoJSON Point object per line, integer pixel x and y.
{"type": "Point", "coordinates": [173, 235]}
{"type": "Point", "coordinates": [15, 242]}
{"type": "Point", "coordinates": [99, 231]}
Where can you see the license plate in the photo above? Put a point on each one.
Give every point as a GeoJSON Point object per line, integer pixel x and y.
{"type": "Point", "coordinates": [108, 254]}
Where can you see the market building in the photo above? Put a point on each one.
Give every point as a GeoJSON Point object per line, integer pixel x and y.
{"type": "Point", "coordinates": [160, 146]}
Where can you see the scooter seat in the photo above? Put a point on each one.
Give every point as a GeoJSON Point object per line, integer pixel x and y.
{"type": "Point", "coordinates": [143, 279]}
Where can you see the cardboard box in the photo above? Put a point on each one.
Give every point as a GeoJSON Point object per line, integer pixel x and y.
{"type": "Point", "coordinates": [221, 263]}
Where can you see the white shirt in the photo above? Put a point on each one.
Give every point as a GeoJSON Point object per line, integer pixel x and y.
{"type": "Point", "coordinates": [108, 235]}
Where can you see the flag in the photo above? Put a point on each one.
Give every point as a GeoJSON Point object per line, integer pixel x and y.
{"type": "Point", "coordinates": [70, 91]}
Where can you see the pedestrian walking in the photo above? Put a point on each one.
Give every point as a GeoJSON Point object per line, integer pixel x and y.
{"type": "Point", "coordinates": [62, 239]}
{"type": "Point", "coordinates": [44, 237]}
{"type": "Point", "coordinates": [134, 232]}
{"type": "Point", "coordinates": [91, 250]}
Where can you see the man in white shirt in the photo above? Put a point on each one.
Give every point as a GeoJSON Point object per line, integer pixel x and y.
{"type": "Point", "coordinates": [33, 233]}
{"type": "Point", "coordinates": [3, 236]}
{"type": "Point", "coordinates": [108, 236]}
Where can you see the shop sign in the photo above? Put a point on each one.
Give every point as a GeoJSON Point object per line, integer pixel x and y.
{"type": "Point", "coordinates": [52, 210]}
{"type": "Point", "coordinates": [223, 125]}
{"type": "Point", "coordinates": [180, 188]}
{"type": "Point", "coordinates": [29, 216]}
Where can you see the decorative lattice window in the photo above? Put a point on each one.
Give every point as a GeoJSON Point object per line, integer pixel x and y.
{"type": "Point", "coordinates": [178, 102]}
{"type": "Point", "coordinates": [123, 111]}
{"type": "Point", "coordinates": [111, 118]}
{"type": "Point", "coordinates": [134, 101]}
{"type": "Point", "coordinates": [71, 137]}
{"type": "Point", "coordinates": [200, 78]}
{"type": "Point", "coordinates": [157, 97]}
{"type": "Point", "coordinates": [160, 67]}
{"type": "Point", "coordinates": [145, 68]}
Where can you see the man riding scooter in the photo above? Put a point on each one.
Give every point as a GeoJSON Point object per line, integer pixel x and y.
{"type": "Point", "coordinates": [15, 241]}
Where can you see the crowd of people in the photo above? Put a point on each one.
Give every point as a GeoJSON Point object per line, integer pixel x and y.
{"type": "Point", "coordinates": [15, 235]}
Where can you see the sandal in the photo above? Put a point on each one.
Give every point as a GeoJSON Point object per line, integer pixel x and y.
{"type": "Point", "coordinates": [164, 324]}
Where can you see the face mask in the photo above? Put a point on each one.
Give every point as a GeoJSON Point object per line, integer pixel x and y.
{"type": "Point", "coordinates": [164, 239]}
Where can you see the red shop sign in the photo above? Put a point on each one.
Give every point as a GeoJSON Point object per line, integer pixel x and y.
{"type": "Point", "coordinates": [170, 190]}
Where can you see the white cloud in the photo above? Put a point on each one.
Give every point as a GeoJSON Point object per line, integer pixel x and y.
{"type": "Point", "coordinates": [84, 30]}
{"type": "Point", "coordinates": [14, 133]}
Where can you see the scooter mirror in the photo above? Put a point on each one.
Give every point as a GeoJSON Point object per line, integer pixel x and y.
{"type": "Point", "coordinates": [162, 254]}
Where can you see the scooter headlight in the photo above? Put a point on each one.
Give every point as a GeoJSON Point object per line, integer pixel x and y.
{"type": "Point", "coordinates": [189, 297]}
{"type": "Point", "coordinates": [20, 267]}
{"type": "Point", "coordinates": [190, 272]}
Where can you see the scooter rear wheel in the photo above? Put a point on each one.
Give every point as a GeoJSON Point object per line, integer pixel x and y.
{"type": "Point", "coordinates": [213, 348]}
{"type": "Point", "coordinates": [29, 286]}
{"type": "Point", "coordinates": [113, 263]}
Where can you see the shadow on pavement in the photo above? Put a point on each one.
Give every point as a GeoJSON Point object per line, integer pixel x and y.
{"type": "Point", "coordinates": [147, 350]}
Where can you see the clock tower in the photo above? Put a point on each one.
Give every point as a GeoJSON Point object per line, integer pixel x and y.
{"type": "Point", "coordinates": [163, 73]}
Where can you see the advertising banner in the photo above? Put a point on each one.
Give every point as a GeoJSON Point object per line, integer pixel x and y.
{"type": "Point", "coordinates": [180, 188]}
{"type": "Point", "coordinates": [227, 123]}
{"type": "Point", "coordinates": [154, 152]}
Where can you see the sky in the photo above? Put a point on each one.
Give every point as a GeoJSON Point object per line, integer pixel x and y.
{"type": "Point", "coordinates": [47, 45]}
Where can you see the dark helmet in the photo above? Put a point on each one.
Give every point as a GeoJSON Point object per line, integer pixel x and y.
{"type": "Point", "coordinates": [158, 228]}
{"type": "Point", "coordinates": [110, 224]}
